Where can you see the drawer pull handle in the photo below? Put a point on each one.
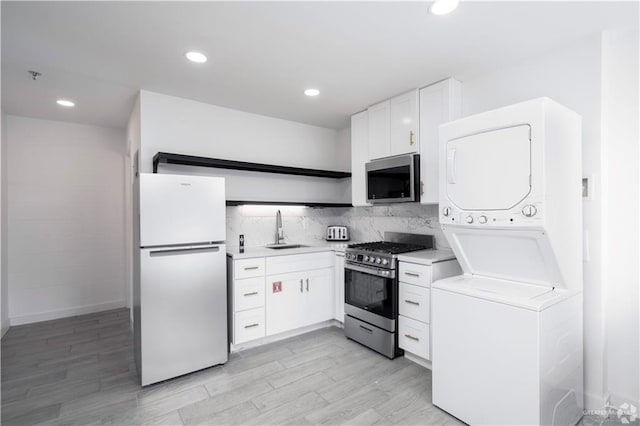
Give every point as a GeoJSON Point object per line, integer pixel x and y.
{"type": "Point", "coordinates": [251, 325]}
{"type": "Point", "coordinates": [368, 330]}
{"type": "Point", "coordinates": [250, 268]}
{"type": "Point", "coordinates": [408, 336]}
{"type": "Point", "coordinates": [307, 284]}
{"type": "Point", "coordinates": [301, 290]}
{"type": "Point", "coordinates": [253, 293]}
{"type": "Point", "coordinates": [412, 274]}
{"type": "Point", "coordinates": [411, 302]}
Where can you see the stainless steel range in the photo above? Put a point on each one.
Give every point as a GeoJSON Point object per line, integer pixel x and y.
{"type": "Point", "coordinates": [371, 290]}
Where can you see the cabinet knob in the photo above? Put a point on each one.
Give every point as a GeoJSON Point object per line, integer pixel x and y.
{"type": "Point", "coordinates": [411, 137]}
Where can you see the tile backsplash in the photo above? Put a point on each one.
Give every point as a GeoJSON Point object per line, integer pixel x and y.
{"type": "Point", "coordinates": [308, 225]}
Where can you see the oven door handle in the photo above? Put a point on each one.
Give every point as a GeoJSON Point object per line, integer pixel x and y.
{"type": "Point", "coordinates": [370, 271]}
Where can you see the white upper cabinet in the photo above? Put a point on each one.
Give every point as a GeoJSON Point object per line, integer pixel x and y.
{"type": "Point", "coordinates": [404, 124]}
{"type": "Point", "coordinates": [359, 156]}
{"type": "Point", "coordinates": [393, 126]}
{"type": "Point", "coordinates": [379, 130]}
{"type": "Point", "coordinates": [439, 103]}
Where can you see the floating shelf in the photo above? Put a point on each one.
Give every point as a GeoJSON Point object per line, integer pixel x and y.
{"type": "Point", "coordinates": [191, 160]}
{"type": "Point", "coordinates": [286, 203]}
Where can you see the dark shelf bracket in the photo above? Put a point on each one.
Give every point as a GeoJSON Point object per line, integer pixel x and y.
{"type": "Point", "coordinates": [217, 163]}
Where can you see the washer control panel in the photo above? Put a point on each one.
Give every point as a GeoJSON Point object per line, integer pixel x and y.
{"type": "Point", "coordinates": [527, 213]}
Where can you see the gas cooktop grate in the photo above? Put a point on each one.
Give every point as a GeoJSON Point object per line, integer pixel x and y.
{"type": "Point", "coordinates": [387, 247]}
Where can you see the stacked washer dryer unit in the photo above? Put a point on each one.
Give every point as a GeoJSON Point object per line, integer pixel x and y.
{"type": "Point", "coordinates": [507, 334]}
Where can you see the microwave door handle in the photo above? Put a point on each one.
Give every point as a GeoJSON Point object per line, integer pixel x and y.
{"type": "Point", "coordinates": [451, 166]}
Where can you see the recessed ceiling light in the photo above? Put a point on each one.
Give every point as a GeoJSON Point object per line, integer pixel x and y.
{"type": "Point", "coordinates": [442, 7]}
{"type": "Point", "coordinates": [197, 57]}
{"type": "Point", "coordinates": [65, 103]}
{"type": "Point", "coordinates": [312, 92]}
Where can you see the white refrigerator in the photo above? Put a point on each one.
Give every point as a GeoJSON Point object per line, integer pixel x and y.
{"type": "Point", "coordinates": [180, 290]}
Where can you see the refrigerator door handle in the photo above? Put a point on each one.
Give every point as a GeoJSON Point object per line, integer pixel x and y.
{"type": "Point", "coordinates": [182, 250]}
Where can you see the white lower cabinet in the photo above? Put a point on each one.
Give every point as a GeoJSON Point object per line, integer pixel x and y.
{"type": "Point", "coordinates": [299, 299]}
{"type": "Point", "coordinates": [248, 294]}
{"type": "Point", "coordinates": [272, 295]}
{"type": "Point", "coordinates": [248, 325]}
{"type": "Point", "coordinates": [339, 286]}
{"type": "Point", "coordinates": [414, 308]}
{"type": "Point", "coordinates": [414, 337]}
{"type": "Point", "coordinates": [414, 302]}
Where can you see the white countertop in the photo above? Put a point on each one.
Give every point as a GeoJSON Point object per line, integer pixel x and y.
{"type": "Point", "coordinates": [427, 257]}
{"type": "Point", "coordinates": [261, 251]}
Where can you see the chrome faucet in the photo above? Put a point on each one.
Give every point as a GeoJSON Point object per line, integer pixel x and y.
{"type": "Point", "coordinates": [279, 231]}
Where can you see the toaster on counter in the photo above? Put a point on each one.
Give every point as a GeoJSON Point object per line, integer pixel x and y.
{"type": "Point", "coordinates": [337, 233]}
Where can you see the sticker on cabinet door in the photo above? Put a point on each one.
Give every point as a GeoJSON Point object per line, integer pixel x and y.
{"type": "Point", "coordinates": [276, 287]}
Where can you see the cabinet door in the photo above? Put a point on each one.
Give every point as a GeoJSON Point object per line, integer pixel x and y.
{"type": "Point", "coordinates": [339, 286]}
{"type": "Point", "coordinates": [379, 135]}
{"type": "Point", "coordinates": [359, 156]}
{"type": "Point", "coordinates": [404, 123]}
{"type": "Point", "coordinates": [319, 302]}
{"type": "Point", "coordinates": [284, 297]}
{"type": "Point", "coordinates": [439, 103]}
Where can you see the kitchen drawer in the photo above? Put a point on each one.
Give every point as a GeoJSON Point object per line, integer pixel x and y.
{"type": "Point", "coordinates": [248, 325]}
{"type": "Point", "coordinates": [299, 262]}
{"type": "Point", "coordinates": [414, 302]}
{"type": "Point", "coordinates": [414, 337]}
{"type": "Point", "coordinates": [413, 273]}
{"type": "Point", "coordinates": [248, 294]}
{"type": "Point", "coordinates": [248, 268]}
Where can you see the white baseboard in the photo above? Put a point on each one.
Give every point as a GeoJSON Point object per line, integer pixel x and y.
{"type": "Point", "coordinates": [285, 335]}
{"type": "Point", "coordinates": [418, 360]}
{"type": "Point", "coordinates": [63, 313]}
{"type": "Point", "coordinates": [595, 402]}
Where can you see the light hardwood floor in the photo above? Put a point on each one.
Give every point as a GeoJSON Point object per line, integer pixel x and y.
{"type": "Point", "coordinates": [80, 371]}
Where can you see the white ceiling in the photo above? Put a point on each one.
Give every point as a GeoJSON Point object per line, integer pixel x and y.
{"type": "Point", "coordinates": [263, 55]}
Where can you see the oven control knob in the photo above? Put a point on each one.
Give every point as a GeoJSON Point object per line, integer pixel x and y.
{"type": "Point", "coordinates": [366, 258]}
{"type": "Point", "coordinates": [482, 219]}
{"type": "Point", "coordinates": [446, 211]}
{"type": "Point", "coordinates": [469, 219]}
{"type": "Point", "coordinates": [385, 261]}
{"type": "Point", "coordinates": [378, 260]}
{"type": "Point", "coordinates": [529, 210]}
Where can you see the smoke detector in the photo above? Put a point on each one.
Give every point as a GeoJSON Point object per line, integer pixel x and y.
{"type": "Point", "coordinates": [34, 74]}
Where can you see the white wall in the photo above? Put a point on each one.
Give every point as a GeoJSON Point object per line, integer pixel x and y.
{"type": "Point", "coordinates": [4, 283]}
{"type": "Point", "coordinates": [183, 126]}
{"type": "Point", "coordinates": [4, 280]}
{"type": "Point", "coordinates": [131, 225]}
{"type": "Point", "coordinates": [343, 149]}
{"type": "Point", "coordinates": [620, 188]}
{"type": "Point", "coordinates": [66, 219]}
{"type": "Point", "coordinates": [571, 76]}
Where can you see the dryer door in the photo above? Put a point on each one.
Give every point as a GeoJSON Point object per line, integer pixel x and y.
{"type": "Point", "coordinates": [489, 170]}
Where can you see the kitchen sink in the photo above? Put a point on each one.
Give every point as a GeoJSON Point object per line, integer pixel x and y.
{"type": "Point", "coordinates": [284, 246]}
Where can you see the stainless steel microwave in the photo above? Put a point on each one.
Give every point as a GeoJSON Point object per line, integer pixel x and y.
{"type": "Point", "coordinates": [393, 180]}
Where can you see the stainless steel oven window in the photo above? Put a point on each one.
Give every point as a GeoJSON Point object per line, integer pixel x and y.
{"type": "Point", "coordinates": [370, 292]}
